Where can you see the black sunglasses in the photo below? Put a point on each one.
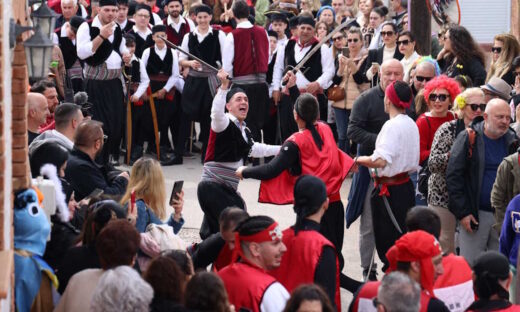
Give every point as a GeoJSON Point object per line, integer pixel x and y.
{"type": "Point", "coordinates": [387, 33]}
{"type": "Point", "coordinates": [441, 97]}
{"type": "Point", "coordinates": [403, 42]}
{"type": "Point", "coordinates": [422, 78]}
{"type": "Point", "coordinates": [352, 40]}
{"type": "Point", "coordinates": [496, 49]}
{"type": "Point", "coordinates": [474, 107]}
{"type": "Point", "coordinates": [337, 38]}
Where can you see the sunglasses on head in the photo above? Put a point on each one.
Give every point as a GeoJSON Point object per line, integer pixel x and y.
{"type": "Point", "coordinates": [422, 78]}
{"type": "Point", "coordinates": [403, 42]}
{"type": "Point", "coordinates": [337, 38]}
{"type": "Point", "coordinates": [474, 107]}
{"type": "Point", "coordinates": [496, 49]}
{"type": "Point", "coordinates": [441, 97]}
{"type": "Point", "coordinates": [387, 33]}
{"type": "Point", "coordinates": [353, 40]}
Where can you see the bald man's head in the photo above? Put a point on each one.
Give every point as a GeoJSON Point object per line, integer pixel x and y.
{"type": "Point", "coordinates": [37, 109]}
{"type": "Point", "coordinates": [391, 70]}
{"type": "Point", "coordinates": [497, 118]}
{"type": "Point", "coordinates": [424, 72]}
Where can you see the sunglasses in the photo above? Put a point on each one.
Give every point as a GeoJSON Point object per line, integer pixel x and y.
{"type": "Point", "coordinates": [474, 107]}
{"type": "Point", "coordinates": [441, 97]}
{"type": "Point", "coordinates": [496, 49]}
{"type": "Point", "coordinates": [337, 38]}
{"type": "Point", "coordinates": [403, 42]}
{"type": "Point", "coordinates": [353, 40]}
{"type": "Point", "coordinates": [422, 78]}
{"type": "Point", "coordinates": [387, 33]}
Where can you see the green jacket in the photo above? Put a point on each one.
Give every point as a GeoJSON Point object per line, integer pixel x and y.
{"type": "Point", "coordinates": [506, 186]}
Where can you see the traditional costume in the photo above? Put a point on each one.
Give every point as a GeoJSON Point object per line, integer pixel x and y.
{"type": "Point", "coordinates": [127, 24]}
{"type": "Point", "coordinates": [73, 65]}
{"type": "Point", "coordinates": [176, 30]}
{"type": "Point", "coordinates": [246, 56]}
{"type": "Point", "coordinates": [143, 39]}
{"type": "Point", "coordinates": [319, 68]}
{"type": "Point", "coordinates": [103, 78]}
{"type": "Point", "coordinates": [201, 85]}
{"type": "Point", "coordinates": [249, 287]}
{"type": "Point", "coordinates": [230, 144]}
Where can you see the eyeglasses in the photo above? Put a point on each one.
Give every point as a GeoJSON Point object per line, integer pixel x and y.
{"type": "Point", "coordinates": [403, 42]}
{"type": "Point", "coordinates": [474, 107]}
{"type": "Point", "coordinates": [337, 38]}
{"type": "Point", "coordinates": [422, 78]}
{"type": "Point", "coordinates": [387, 33]}
{"type": "Point", "coordinates": [441, 97]}
{"type": "Point", "coordinates": [496, 49]}
{"type": "Point", "coordinates": [352, 40]}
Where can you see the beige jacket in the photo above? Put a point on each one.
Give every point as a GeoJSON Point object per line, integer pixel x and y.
{"type": "Point", "coordinates": [352, 89]}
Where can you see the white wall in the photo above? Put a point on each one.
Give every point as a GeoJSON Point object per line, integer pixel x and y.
{"type": "Point", "coordinates": [485, 19]}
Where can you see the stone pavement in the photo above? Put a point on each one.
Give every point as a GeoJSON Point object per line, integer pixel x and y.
{"type": "Point", "coordinates": [191, 172]}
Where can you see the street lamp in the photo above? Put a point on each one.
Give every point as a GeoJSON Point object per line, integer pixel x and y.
{"type": "Point", "coordinates": [45, 18]}
{"type": "Point", "coordinates": [38, 52]}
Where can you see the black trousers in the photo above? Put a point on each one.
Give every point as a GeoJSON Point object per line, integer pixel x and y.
{"type": "Point", "coordinates": [401, 199]}
{"type": "Point", "coordinates": [213, 198]}
{"type": "Point", "coordinates": [107, 100]}
{"type": "Point", "coordinates": [332, 226]}
{"type": "Point", "coordinates": [179, 126]}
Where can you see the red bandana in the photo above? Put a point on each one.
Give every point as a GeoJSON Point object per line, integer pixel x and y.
{"type": "Point", "coordinates": [394, 98]}
{"type": "Point", "coordinates": [271, 234]}
{"type": "Point", "coordinates": [417, 246]}
{"type": "Point", "coordinates": [308, 43]}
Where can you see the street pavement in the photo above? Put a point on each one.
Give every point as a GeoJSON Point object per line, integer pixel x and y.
{"type": "Point", "coordinates": [191, 171]}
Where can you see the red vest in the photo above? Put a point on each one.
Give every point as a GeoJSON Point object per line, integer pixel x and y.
{"type": "Point", "coordinates": [455, 286]}
{"type": "Point", "coordinates": [364, 298]}
{"type": "Point", "coordinates": [251, 51]}
{"type": "Point", "coordinates": [224, 258]}
{"type": "Point", "coordinates": [304, 251]}
{"type": "Point", "coordinates": [330, 164]}
{"type": "Point", "coordinates": [245, 285]}
{"type": "Point", "coordinates": [174, 36]}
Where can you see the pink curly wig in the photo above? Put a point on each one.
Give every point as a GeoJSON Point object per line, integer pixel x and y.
{"type": "Point", "coordinates": [442, 82]}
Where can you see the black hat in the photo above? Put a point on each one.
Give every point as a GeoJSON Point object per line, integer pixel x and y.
{"type": "Point", "coordinates": [492, 264]}
{"type": "Point", "coordinates": [158, 28]}
{"type": "Point", "coordinates": [103, 3]}
{"type": "Point", "coordinates": [306, 20]}
{"type": "Point", "coordinates": [122, 2]}
{"type": "Point", "coordinates": [202, 8]}
{"type": "Point", "coordinates": [129, 38]}
{"type": "Point", "coordinates": [75, 22]}
{"type": "Point", "coordinates": [279, 15]}
{"type": "Point", "coordinates": [293, 22]}
{"type": "Point", "coordinates": [232, 92]}
{"type": "Point", "coordinates": [272, 33]}
{"type": "Point", "coordinates": [309, 194]}
{"type": "Point", "coordinates": [141, 6]}
{"type": "Point", "coordinates": [166, 2]}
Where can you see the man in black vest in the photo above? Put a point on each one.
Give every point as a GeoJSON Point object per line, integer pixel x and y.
{"type": "Point", "coordinates": [122, 16]}
{"type": "Point", "coordinates": [101, 45]}
{"type": "Point", "coordinates": [318, 72]}
{"type": "Point", "coordinates": [65, 37]}
{"type": "Point", "coordinates": [230, 144]}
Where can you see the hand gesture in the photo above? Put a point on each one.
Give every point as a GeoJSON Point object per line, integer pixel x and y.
{"type": "Point", "coordinates": [107, 30]}
{"type": "Point", "coordinates": [223, 77]}
{"type": "Point", "coordinates": [290, 77]}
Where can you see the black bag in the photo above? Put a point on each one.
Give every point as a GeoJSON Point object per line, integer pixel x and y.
{"type": "Point", "coordinates": [424, 173]}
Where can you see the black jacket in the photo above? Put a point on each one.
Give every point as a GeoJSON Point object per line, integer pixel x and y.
{"type": "Point", "coordinates": [84, 176]}
{"type": "Point", "coordinates": [472, 68]}
{"type": "Point", "coordinates": [464, 174]}
{"type": "Point", "coordinates": [374, 56]}
{"type": "Point", "coordinates": [76, 259]}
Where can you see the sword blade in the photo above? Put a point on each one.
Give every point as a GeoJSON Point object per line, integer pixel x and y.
{"type": "Point", "coordinates": [176, 47]}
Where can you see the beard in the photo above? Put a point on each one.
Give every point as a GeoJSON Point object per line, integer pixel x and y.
{"type": "Point", "coordinates": [175, 14]}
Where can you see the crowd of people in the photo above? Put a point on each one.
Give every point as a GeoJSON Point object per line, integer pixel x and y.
{"type": "Point", "coordinates": [301, 96]}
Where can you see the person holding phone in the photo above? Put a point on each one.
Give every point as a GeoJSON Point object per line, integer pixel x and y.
{"type": "Point", "coordinates": [147, 183]}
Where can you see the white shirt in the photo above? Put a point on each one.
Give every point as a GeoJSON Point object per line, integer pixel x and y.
{"type": "Point", "coordinates": [327, 64]}
{"type": "Point", "coordinates": [144, 79]}
{"type": "Point", "coordinates": [219, 122]}
{"type": "Point", "coordinates": [63, 33]}
{"type": "Point", "coordinates": [84, 44]}
{"type": "Point", "coordinates": [200, 38]}
{"type": "Point", "coordinates": [123, 24]}
{"type": "Point", "coordinates": [398, 144]}
{"type": "Point", "coordinates": [281, 43]}
{"type": "Point", "coordinates": [407, 64]}
{"type": "Point", "coordinates": [182, 20]}
{"type": "Point", "coordinates": [275, 298]}
{"type": "Point", "coordinates": [229, 48]}
{"type": "Point", "coordinates": [156, 19]}
{"type": "Point", "coordinates": [161, 53]}
{"type": "Point", "coordinates": [141, 34]}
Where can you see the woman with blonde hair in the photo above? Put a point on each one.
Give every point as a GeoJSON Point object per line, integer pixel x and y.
{"type": "Point", "coordinates": [468, 105]}
{"type": "Point", "coordinates": [504, 50]}
{"type": "Point", "coordinates": [147, 181]}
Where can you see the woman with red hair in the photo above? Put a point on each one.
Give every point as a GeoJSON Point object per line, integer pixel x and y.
{"type": "Point", "coordinates": [439, 93]}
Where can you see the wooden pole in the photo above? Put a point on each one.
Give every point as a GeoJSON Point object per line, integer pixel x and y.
{"type": "Point", "coordinates": [420, 18]}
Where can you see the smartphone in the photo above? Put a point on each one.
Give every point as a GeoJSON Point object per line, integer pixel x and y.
{"type": "Point", "coordinates": [177, 188]}
{"type": "Point", "coordinates": [345, 51]}
{"type": "Point", "coordinates": [132, 201]}
{"type": "Point", "coordinates": [95, 193]}
{"type": "Point", "coordinates": [473, 225]}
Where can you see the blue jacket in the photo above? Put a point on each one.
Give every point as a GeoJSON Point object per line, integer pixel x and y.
{"type": "Point", "coordinates": [510, 234]}
{"type": "Point", "coordinates": [146, 216]}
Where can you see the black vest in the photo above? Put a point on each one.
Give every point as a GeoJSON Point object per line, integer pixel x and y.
{"type": "Point", "coordinates": [208, 50]}
{"type": "Point", "coordinates": [228, 145]}
{"type": "Point", "coordinates": [106, 48]}
{"type": "Point", "coordinates": [68, 49]}
{"type": "Point", "coordinates": [129, 25]}
{"type": "Point", "coordinates": [270, 68]}
{"type": "Point", "coordinates": [140, 43]}
{"type": "Point", "coordinates": [157, 66]}
{"type": "Point", "coordinates": [314, 70]}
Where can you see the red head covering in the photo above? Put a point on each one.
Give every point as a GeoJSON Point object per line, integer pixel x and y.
{"type": "Point", "coordinates": [419, 246]}
{"type": "Point", "coordinates": [391, 256]}
{"type": "Point", "coordinates": [270, 234]}
{"type": "Point", "coordinates": [391, 94]}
